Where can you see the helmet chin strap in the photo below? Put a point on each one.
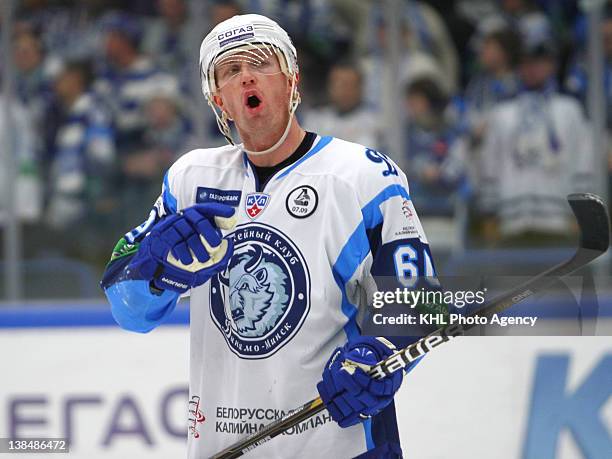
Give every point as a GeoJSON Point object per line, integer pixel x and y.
{"type": "Point", "coordinates": [294, 101]}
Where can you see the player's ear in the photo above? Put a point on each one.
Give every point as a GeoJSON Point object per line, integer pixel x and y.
{"type": "Point", "coordinates": [218, 101]}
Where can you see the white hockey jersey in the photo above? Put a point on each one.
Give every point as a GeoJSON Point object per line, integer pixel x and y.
{"type": "Point", "coordinates": [305, 245]}
{"type": "Point", "coordinates": [536, 151]}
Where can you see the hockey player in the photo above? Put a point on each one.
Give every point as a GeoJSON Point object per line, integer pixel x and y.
{"type": "Point", "coordinates": [274, 239]}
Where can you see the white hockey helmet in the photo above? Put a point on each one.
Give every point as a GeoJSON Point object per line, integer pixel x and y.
{"type": "Point", "coordinates": [238, 31]}
{"type": "Point", "coordinates": [248, 31]}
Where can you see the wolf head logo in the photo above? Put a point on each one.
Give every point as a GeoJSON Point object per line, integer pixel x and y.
{"type": "Point", "coordinates": [262, 299]}
{"type": "Point", "coordinates": [257, 293]}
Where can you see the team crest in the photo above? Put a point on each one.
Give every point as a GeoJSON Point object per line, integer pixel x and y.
{"type": "Point", "coordinates": [255, 204]}
{"type": "Point", "coordinates": [261, 301]}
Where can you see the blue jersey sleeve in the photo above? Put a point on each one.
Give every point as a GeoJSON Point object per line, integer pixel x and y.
{"type": "Point", "coordinates": [134, 304]}
{"type": "Point", "coordinates": [405, 260]}
{"type": "Point", "coordinates": [400, 254]}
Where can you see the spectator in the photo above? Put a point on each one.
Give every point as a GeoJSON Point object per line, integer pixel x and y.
{"type": "Point", "coordinates": [168, 126]}
{"type": "Point", "coordinates": [577, 81]}
{"type": "Point", "coordinates": [497, 80]}
{"type": "Point", "coordinates": [34, 75]}
{"type": "Point", "coordinates": [435, 149]}
{"type": "Point", "coordinates": [431, 36]}
{"type": "Point", "coordinates": [27, 195]}
{"type": "Point", "coordinates": [346, 116]}
{"type": "Point", "coordinates": [167, 135]}
{"type": "Point", "coordinates": [354, 17]}
{"type": "Point", "coordinates": [524, 17]}
{"type": "Point", "coordinates": [424, 36]}
{"type": "Point", "coordinates": [166, 39]}
{"type": "Point", "coordinates": [79, 179]}
{"type": "Point", "coordinates": [69, 29]}
{"type": "Point", "coordinates": [129, 80]}
{"type": "Point", "coordinates": [414, 62]}
{"type": "Point", "coordinates": [536, 151]}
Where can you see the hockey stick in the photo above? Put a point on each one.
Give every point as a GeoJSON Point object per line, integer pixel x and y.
{"type": "Point", "coordinates": [593, 222]}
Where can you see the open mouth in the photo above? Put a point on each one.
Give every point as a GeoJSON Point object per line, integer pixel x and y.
{"type": "Point", "coordinates": [253, 101]}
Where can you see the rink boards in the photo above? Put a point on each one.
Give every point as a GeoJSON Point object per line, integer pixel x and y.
{"type": "Point", "coordinates": [68, 372]}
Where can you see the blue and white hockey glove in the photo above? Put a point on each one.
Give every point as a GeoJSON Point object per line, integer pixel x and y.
{"type": "Point", "coordinates": [349, 393]}
{"type": "Point", "coordinates": [186, 249]}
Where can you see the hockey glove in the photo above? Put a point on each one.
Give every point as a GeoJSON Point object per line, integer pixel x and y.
{"type": "Point", "coordinates": [349, 393]}
{"type": "Point", "coordinates": [186, 249]}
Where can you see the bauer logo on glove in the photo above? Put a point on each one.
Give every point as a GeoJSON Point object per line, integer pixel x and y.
{"type": "Point", "coordinates": [348, 391]}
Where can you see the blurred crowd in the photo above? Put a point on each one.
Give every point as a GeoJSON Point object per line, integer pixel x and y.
{"type": "Point", "coordinates": [492, 101]}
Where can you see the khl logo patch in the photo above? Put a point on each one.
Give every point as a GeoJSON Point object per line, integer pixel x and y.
{"type": "Point", "coordinates": [260, 306]}
{"type": "Point", "coordinates": [255, 204]}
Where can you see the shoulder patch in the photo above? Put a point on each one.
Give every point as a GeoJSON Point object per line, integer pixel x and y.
{"type": "Point", "coordinates": [302, 201]}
